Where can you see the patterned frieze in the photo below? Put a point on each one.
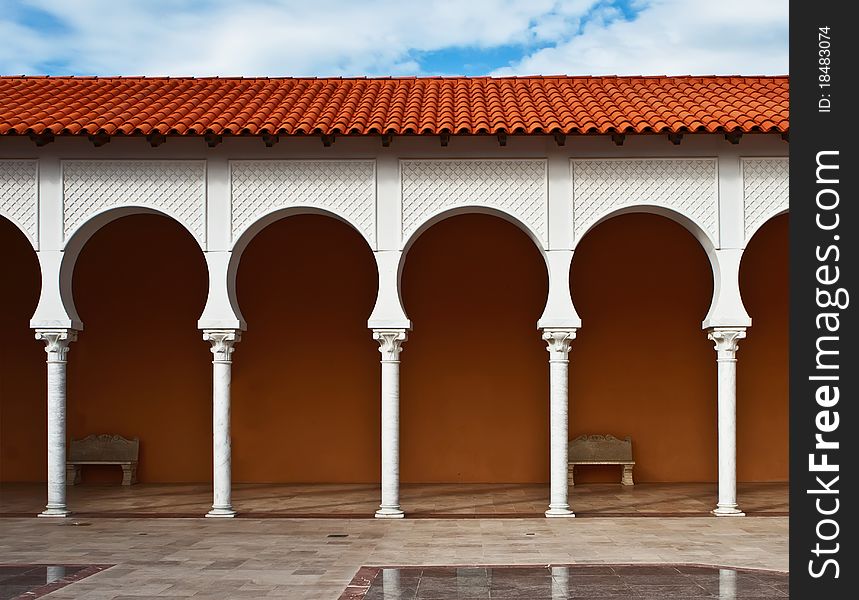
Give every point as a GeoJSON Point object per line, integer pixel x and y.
{"type": "Point", "coordinates": [765, 190]}
{"type": "Point", "coordinates": [515, 187]}
{"type": "Point", "coordinates": [344, 187]}
{"type": "Point", "coordinates": [688, 186]}
{"type": "Point", "coordinates": [19, 195]}
{"type": "Point", "coordinates": [175, 187]}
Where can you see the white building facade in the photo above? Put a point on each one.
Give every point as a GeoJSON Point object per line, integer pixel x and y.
{"type": "Point", "coordinates": [555, 189]}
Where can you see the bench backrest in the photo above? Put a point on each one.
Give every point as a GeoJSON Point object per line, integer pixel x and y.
{"type": "Point", "coordinates": [104, 447]}
{"type": "Point", "coordinates": [600, 447]}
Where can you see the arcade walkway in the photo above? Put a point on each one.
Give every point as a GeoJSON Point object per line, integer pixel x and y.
{"type": "Point", "coordinates": [418, 500]}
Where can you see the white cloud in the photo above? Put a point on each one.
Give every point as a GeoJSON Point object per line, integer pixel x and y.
{"type": "Point", "coordinates": [674, 37]}
{"type": "Point", "coordinates": [385, 37]}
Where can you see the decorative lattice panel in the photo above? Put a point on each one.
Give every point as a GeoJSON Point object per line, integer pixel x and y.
{"type": "Point", "coordinates": [19, 195]}
{"type": "Point", "coordinates": [345, 187]}
{"type": "Point", "coordinates": [688, 186]}
{"type": "Point", "coordinates": [765, 190]}
{"type": "Point", "coordinates": [517, 187]}
{"type": "Point", "coordinates": [176, 187]}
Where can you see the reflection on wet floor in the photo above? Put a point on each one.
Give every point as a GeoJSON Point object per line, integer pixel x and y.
{"type": "Point", "coordinates": [32, 581]}
{"type": "Point", "coordinates": [657, 582]}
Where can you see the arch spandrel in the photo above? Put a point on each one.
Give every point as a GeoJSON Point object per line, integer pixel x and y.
{"type": "Point", "coordinates": [766, 191]}
{"type": "Point", "coordinates": [684, 189]}
{"type": "Point", "coordinates": [516, 189]}
{"type": "Point", "coordinates": [345, 189]}
{"type": "Point", "coordinates": [92, 189]}
{"type": "Point", "coordinates": [19, 196]}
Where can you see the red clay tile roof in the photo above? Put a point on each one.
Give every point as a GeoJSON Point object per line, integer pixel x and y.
{"type": "Point", "coordinates": [570, 105]}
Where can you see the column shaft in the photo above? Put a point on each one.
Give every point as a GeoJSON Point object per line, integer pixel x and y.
{"type": "Point", "coordinates": [726, 347]}
{"type": "Point", "coordinates": [558, 345]}
{"type": "Point", "coordinates": [57, 346]}
{"type": "Point", "coordinates": [390, 346]}
{"type": "Point", "coordinates": [222, 348]}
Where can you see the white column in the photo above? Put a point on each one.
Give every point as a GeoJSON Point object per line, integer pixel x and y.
{"type": "Point", "coordinates": [725, 340]}
{"type": "Point", "coordinates": [727, 584]}
{"type": "Point", "coordinates": [390, 345]}
{"type": "Point", "coordinates": [558, 344]}
{"type": "Point", "coordinates": [57, 347]}
{"type": "Point", "coordinates": [223, 342]}
{"type": "Point", "coordinates": [391, 585]}
{"type": "Point", "coordinates": [560, 583]}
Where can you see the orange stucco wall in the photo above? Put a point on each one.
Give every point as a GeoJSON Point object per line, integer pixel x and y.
{"type": "Point", "coordinates": [641, 365]}
{"type": "Point", "coordinates": [474, 384]}
{"type": "Point", "coordinates": [23, 411]}
{"type": "Point", "coordinates": [140, 367]}
{"type": "Point", "coordinates": [306, 374]}
{"type": "Point", "coordinates": [474, 371]}
{"type": "Point", "coordinates": [762, 375]}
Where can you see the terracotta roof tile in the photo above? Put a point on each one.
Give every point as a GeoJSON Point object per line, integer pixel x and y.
{"type": "Point", "coordinates": [235, 106]}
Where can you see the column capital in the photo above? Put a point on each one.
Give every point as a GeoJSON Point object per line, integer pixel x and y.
{"type": "Point", "coordinates": [558, 342]}
{"type": "Point", "coordinates": [223, 342]}
{"type": "Point", "coordinates": [726, 340]}
{"type": "Point", "coordinates": [57, 342]}
{"type": "Point", "coordinates": [390, 343]}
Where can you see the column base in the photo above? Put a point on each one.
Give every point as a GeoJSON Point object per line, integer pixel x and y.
{"type": "Point", "coordinates": [389, 513]}
{"type": "Point", "coordinates": [55, 512]}
{"type": "Point", "coordinates": [221, 512]}
{"type": "Point", "coordinates": [553, 513]}
{"type": "Point", "coordinates": [728, 511]}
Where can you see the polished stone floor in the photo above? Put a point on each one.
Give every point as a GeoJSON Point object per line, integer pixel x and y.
{"type": "Point", "coordinates": [35, 581]}
{"type": "Point", "coordinates": [563, 582]}
{"type": "Point", "coordinates": [316, 559]}
{"type": "Point", "coordinates": [418, 500]}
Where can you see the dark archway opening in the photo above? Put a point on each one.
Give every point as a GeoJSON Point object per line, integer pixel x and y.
{"type": "Point", "coordinates": [140, 367]}
{"type": "Point", "coordinates": [23, 405]}
{"type": "Point", "coordinates": [306, 373]}
{"type": "Point", "coordinates": [642, 366]}
{"type": "Point", "coordinates": [474, 373]}
{"type": "Point", "coordinates": [762, 360]}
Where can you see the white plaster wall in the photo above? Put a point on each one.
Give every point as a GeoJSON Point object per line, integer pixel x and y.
{"type": "Point", "coordinates": [389, 194]}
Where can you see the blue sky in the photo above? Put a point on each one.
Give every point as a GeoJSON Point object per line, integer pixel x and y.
{"type": "Point", "coordinates": [389, 37]}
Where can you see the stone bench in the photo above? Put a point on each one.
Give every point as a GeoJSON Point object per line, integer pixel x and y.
{"type": "Point", "coordinates": [103, 450]}
{"type": "Point", "coordinates": [601, 450]}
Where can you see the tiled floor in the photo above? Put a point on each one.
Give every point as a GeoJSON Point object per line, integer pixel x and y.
{"type": "Point", "coordinates": [315, 557]}
{"type": "Point", "coordinates": [562, 582]}
{"type": "Point", "coordinates": [297, 560]}
{"type": "Point", "coordinates": [35, 581]}
{"type": "Point", "coordinates": [361, 500]}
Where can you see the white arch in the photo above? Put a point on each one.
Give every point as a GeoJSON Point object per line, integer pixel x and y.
{"type": "Point", "coordinates": [20, 227]}
{"type": "Point", "coordinates": [759, 224]}
{"type": "Point", "coordinates": [242, 238]}
{"type": "Point", "coordinates": [56, 304]}
{"type": "Point", "coordinates": [726, 305]}
{"type": "Point", "coordinates": [438, 216]}
{"type": "Point", "coordinates": [559, 308]}
{"type": "Point", "coordinates": [222, 307]}
{"type": "Point", "coordinates": [691, 224]}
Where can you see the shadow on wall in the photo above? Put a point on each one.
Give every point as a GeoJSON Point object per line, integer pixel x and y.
{"type": "Point", "coordinates": [474, 372]}
{"type": "Point", "coordinates": [762, 360]}
{"type": "Point", "coordinates": [23, 405]}
{"type": "Point", "coordinates": [641, 365]}
{"type": "Point", "coordinates": [306, 376]}
{"type": "Point", "coordinates": [140, 368]}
